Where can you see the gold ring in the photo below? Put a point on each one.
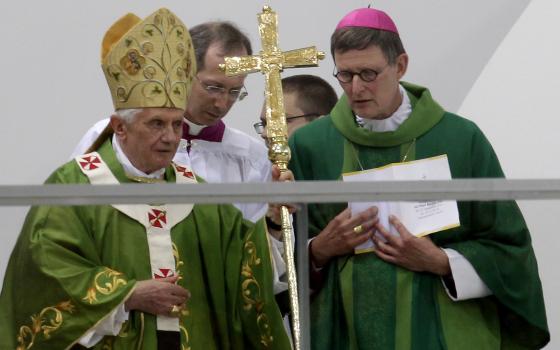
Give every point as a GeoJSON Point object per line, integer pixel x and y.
{"type": "Point", "coordinates": [175, 311]}
{"type": "Point", "coordinates": [358, 229]}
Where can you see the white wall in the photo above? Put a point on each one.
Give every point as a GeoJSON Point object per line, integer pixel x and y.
{"type": "Point", "coordinates": [515, 102]}
{"type": "Point", "coordinates": [53, 89]}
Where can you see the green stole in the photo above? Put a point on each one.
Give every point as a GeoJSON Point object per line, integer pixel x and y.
{"type": "Point", "coordinates": [423, 316]}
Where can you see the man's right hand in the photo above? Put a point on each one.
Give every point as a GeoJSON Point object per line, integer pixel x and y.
{"type": "Point", "coordinates": [340, 238]}
{"type": "Point", "coordinates": [158, 296]}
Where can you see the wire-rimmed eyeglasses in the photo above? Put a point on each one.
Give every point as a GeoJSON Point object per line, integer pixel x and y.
{"type": "Point", "coordinates": [218, 91]}
{"type": "Point", "coordinates": [259, 127]}
{"type": "Point", "coordinates": [367, 75]}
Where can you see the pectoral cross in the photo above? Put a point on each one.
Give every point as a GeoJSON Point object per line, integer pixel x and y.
{"type": "Point", "coordinates": [270, 62]}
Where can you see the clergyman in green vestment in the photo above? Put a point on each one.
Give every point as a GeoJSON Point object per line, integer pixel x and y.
{"type": "Point", "coordinates": [153, 276]}
{"type": "Point", "coordinates": [472, 287]}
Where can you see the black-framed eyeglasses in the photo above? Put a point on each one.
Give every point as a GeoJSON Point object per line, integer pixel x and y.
{"type": "Point", "coordinates": [218, 91]}
{"type": "Point", "coordinates": [259, 127]}
{"type": "Point", "coordinates": [367, 75]}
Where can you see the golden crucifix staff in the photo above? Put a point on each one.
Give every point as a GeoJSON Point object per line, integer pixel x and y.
{"type": "Point", "coordinates": [270, 63]}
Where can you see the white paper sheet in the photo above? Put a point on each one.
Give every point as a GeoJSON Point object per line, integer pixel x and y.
{"type": "Point", "coordinates": [420, 218]}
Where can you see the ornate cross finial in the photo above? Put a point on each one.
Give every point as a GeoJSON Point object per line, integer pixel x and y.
{"type": "Point", "coordinates": [270, 62]}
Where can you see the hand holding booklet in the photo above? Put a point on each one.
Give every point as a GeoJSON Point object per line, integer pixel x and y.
{"type": "Point", "coordinates": [420, 218]}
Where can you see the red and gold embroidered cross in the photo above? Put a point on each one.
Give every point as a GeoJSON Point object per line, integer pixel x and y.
{"type": "Point", "coordinates": [157, 218]}
{"type": "Point", "coordinates": [89, 162]}
{"type": "Point", "coordinates": [184, 171]}
{"type": "Point", "coordinates": [164, 273]}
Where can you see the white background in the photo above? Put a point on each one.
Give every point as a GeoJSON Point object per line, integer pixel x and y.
{"type": "Point", "coordinates": [515, 102]}
{"type": "Point", "coordinates": [466, 52]}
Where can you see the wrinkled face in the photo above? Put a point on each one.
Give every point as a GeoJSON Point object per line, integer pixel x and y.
{"type": "Point", "coordinates": [205, 108]}
{"type": "Point", "coordinates": [292, 110]}
{"type": "Point", "coordinates": [377, 99]}
{"type": "Point", "coordinates": [151, 139]}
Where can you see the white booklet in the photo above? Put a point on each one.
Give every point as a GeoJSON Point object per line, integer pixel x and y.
{"type": "Point", "coordinates": [420, 218]}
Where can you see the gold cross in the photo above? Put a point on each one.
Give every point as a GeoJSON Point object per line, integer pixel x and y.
{"type": "Point", "coordinates": [270, 63]}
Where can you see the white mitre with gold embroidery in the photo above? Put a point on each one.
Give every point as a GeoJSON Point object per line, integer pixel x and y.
{"type": "Point", "coordinates": [150, 62]}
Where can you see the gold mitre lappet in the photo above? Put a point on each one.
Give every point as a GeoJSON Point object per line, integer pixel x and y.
{"type": "Point", "coordinates": [150, 62]}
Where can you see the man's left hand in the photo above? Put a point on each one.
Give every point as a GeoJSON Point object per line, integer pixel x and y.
{"type": "Point", "coordinates": [411, 252]}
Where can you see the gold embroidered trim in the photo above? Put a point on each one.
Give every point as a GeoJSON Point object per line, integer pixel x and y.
{"type": "Point", "coordinates": [178, 264]}
{"type": "Point", "coordinates": [178, 261]}
{"type": "Point", "coordinates": [141, 341]}
{"type": "Point", "coordinates": [251, 291]}
{"type": "Point", "coordinates": [108, 341]}
{"type": "Point", "coordinates": [125, 328]}
{"type": "Point", "coordinates": [46, 322]}
{"type": "Point", "coordinates": [186, 345]}
{"type": "Point", "coordinates": [145, 180]}
{"type": "Point", "coordinates": [105, 282]}
{"type": "Point", "coordinates": [184, 312]}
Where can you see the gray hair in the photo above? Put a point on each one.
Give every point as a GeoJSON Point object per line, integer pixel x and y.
{"type": "Point", "coordinates": [128, 115]}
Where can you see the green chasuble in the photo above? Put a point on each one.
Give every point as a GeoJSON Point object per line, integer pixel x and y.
{"type": "Point", "coordinates": [366, 303]}
{"type": "Point", "coordinates": [72, 266]}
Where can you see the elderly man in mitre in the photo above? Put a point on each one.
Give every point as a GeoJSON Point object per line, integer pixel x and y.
{"type": "Point", "coordinates": [152, 276]}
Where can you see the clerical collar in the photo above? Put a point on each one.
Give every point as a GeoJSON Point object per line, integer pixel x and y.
{"type": "Point", "coordinates": [192, 128]}
{"type": "Point", "coordinates": [213, 133]}
{"type": "Point", "coordinates": [394, 121]}
{"type": "Point", "coordinates": [130, 170]}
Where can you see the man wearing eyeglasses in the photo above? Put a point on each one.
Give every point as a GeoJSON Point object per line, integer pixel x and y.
{"type": "Point", "coordinates": [476, 284]}
{"type": "Point", "coordinates": [306, 98]}
{"type": "Point", "coordinates": [217, 152]}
